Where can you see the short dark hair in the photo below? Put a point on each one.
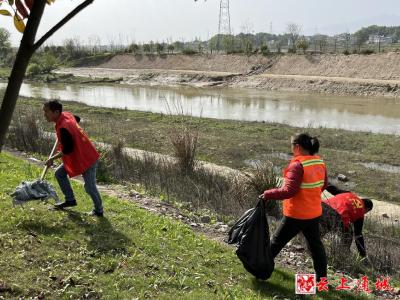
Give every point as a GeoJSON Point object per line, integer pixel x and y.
{"type": "Point", "coordinates": [54, 105]}
{"type": "Point", "coordinates": [311, 144]}
{"type": "Point", "coordinates": [368, 204]}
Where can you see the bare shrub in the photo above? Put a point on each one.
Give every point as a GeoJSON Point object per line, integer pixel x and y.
{"type": "Point", "coordinates": [184, 141]}
{"type": "Point", "coordinates": [241, 192]}
{"type": "Point", "coordinates": [184, 136]}
{"type": "Point", "coordinates": [26, 133]}
{"type": "Point", "coordinates": [263, 177]}
{"type": "Point", "coordinates": [383, 245]}
{"type": "Point", "coordinates": [202, 188]}
{"type": "Point", "coordinates": [114, 163]}
{"type": "Point", "coordinates": [382, 251]}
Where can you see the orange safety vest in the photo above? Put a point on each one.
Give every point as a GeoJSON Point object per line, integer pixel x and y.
{"type": "Point", "coordinates": [306, 204]}
{"type": "Point", "coordinates": [84, 154]}
{"type": "Point", "coordinates": [348, 206]}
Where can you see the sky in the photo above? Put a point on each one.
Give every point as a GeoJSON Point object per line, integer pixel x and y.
{"type": "Point", "coordinates": [127, 21]}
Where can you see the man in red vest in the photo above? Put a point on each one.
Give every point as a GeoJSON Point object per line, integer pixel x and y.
{"type": "Point", "coordinates": [78, 154]}
{"type": "Point", "coordinates": [342, 210]}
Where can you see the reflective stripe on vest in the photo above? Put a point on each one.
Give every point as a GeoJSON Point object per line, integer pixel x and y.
{"type": "Point", "coordinates": [312, 185]}
{"type": "Point", "coordinates": [309, 163]}
{"type": "Point", "coordinates": [312, 162]}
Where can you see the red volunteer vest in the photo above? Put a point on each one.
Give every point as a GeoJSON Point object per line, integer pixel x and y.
{"type": "Point", "coordinates": [84, 154]}
{"type": "Point", "coordinates": [348, 206]}
{"type": "Point", "coordinates": [306, 204]}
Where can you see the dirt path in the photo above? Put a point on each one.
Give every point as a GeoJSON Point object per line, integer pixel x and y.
{"type": "Point", "coordinates": [126, 73]}
{"type": "Point", "coordinates": [333, 78]}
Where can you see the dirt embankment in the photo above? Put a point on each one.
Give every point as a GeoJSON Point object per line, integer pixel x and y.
{"type": "Point", "coordinates": [363, 75]}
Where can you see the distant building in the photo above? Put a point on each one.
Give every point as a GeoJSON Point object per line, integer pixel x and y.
{"type": "Point", "coordinates": [375, 39]}
{"type": "Point", "coordinates": [270, 43]}
{"type": "Point", "coordinates": [342, 37]}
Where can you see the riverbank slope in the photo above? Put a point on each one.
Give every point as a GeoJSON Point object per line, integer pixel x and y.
{"type": "Point", "coordinates": [361, 75]}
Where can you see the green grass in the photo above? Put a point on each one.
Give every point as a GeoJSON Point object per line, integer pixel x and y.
{"type": "Point", "coordinates": [53, 78]}
{"type": "Point", "coordinates": [130, 253]}
{"type": "Point", "coordinates": [231, 143]}
{"type": "Point", "coordinates": [4, 73]}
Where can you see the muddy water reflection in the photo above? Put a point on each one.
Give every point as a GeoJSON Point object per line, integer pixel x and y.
{"type": "Point", "coordinates": [297, 109]}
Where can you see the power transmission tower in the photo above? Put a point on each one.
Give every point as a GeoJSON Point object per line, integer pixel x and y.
{"type": "Point", "coordinates": [224, 26]}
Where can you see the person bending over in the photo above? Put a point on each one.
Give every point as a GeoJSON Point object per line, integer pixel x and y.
{"type": "Point", "coordinates": [78, 154]}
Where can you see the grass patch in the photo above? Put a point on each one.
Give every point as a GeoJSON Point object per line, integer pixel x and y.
{"type": "Point", "coordinates": [4, 73]}
{"type": "Point", "coordinates": [130, 253]}
{"type": "Point", "coordinates": [234, 143]}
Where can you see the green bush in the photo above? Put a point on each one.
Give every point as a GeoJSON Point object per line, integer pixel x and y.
{"type": "Point", "coordinates": [43, 64]}
{"type": "Point", "coordinates": [264, 49]}
{"type": "Point", "coordinates": [302, 44]}
{"type": "Point", "coordinates": [367, 51]}
{"type": "Point", "coordinates": [189, 51]}
{"type": "Point", "coordinates": [34, 69]}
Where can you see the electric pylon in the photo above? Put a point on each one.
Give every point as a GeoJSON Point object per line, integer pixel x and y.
{"type": "Point", "coordinates": [224, 27]}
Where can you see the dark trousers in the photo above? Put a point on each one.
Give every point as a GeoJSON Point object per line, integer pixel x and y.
{"type": "Point", "coordinates": [289, 228]}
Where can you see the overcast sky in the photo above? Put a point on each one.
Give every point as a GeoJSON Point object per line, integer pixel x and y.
{"type": "Point", "coordinates": [160, 20]}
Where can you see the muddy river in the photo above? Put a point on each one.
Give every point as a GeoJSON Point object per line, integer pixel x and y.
{"type": "Point", "coordinates": [298, 109]}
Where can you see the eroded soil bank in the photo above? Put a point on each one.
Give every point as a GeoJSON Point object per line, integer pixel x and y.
{"type": "Point", "coordinates": [361, 75]}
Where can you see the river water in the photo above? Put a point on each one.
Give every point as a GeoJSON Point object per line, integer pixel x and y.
{"type": "Point", "coordinates": [379, 115]}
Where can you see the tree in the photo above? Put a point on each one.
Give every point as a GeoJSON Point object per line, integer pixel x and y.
{"type": "Point", "coordinates": [213, 43]}
{"type": "Point", "coordinates": [43, 64]}
{"type": "Point", "coordinates": [159, 48]}
{"type": "Point", "coordinates": [171, 48]}
{"type": "Point", "coordinates": [133, 48]}
{"type": "Point", "coordinates": [359, 40]}
{"type": "Point", "coordinates": [5, 45]}
{"type": "Point", "coordinates": [32, 11]}
{"type": "Point", "coordinates": [293, 30]}
{"type": "Point", "coordinates": [147, 48]}
{"type": "Point", "coordinates": [302, 44]}
{"type": "Point", "coordinates": [228, 43]}
{"type": "Point", "coordinates": [264, 49]}
{"type": "Point", "coordinates": [248, 47]}
{"type": "Point", "coordinates": [178, 45]}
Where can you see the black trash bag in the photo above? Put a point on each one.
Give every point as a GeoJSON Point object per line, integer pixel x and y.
{"type": "Point", "coordinates": [251, 233]}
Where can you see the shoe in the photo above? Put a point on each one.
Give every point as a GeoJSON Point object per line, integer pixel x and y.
{"type": "Point", "coordinates": [94, 213]}
{"type": "Point", "coordinates": [65, 204]}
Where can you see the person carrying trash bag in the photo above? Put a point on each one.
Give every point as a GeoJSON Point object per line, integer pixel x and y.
{"type": "Point", "coordinates": [78, 154]}
{"type": "Point", "coordinates": [304, 180]}
{"type": "Point", "coordinates": [342, 213]}
{"type": "Point", "coordinates": [251, 234]}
